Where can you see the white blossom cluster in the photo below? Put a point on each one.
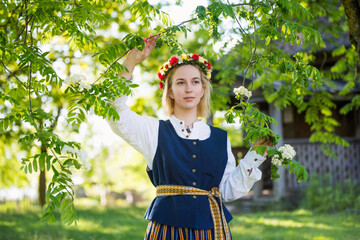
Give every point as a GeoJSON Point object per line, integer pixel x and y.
{"type": "Point", "coordinates": [80, 153]}
{"type": "Point", "coordinates": [287, 152]}
{"type": "Point", "coordinates": [78, 79]}
{"type": "Point", "coordinates": [242, 91]}
{"type": "Point", "coordinates": [276, 160]}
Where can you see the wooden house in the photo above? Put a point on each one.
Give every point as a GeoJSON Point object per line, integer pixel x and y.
{"type": "Point", "coordinates": [295, 131]}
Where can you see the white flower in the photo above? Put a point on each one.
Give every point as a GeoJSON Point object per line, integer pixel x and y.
{"type": "Point", "coordinates": [287, 151]}
{"type": "Point", "coordinates": [81, 154]}
{"type": "Point", "coordinates": [83, 158]}
{"type": "Point", "coordinates": [76, 78]}
{"type": "Point", "coordinates": [180, 61]}
{"type": "Point", "coordinates": [242, 91]}
{"type": "Point", "coordinates": [276, 160]}
{"type": "Point", "coordinates": [67, 81]}
{"type": "Point", "coordinates": [67, 149]}
{"type": "Point", "coordinates": [85, 85]}
{"type": "Point", "coordinates": [248, 94]}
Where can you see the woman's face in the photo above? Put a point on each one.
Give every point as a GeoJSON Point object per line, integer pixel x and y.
{"type": "Point", "coordinates": [186, 88]}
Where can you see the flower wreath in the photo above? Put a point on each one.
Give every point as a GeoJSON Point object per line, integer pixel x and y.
{"type": "Point", "coordinates": [193, 59]}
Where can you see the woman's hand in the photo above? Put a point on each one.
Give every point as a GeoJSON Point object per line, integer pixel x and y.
{"type": "Point", "coordinates": [135, 56]}
{"type": "Point", "coordinates": [264, 142]}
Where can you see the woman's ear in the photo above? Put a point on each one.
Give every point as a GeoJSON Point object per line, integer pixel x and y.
{"type": "Point", "coordinates": [171, 95]}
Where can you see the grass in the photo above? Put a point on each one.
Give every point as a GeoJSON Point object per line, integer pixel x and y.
{"type": "Point", "coordinates": [127, 223]}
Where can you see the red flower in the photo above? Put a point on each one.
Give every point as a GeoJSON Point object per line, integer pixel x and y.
{"type": "Point", "coordinates": [209, 66]}
{"type": "Point", "coordinates": [173, 60]}
{"type": "Point", "coordinates": [161, 77]}
{"type": "Point", "coordinates": [195, 56]}
{"type": "Point", "coordinates": [167, 66]}
{"type": "Point", "coordinates": [145, 39]}
{"type": "Point", "coordinates": [161, 85]}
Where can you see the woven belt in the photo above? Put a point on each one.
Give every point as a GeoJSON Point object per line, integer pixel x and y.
{"type": "Point", "coordinates": [220, 225]}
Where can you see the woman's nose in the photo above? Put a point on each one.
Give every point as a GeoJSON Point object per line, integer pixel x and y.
{"type": "Point", "coordinates": [188, 88]}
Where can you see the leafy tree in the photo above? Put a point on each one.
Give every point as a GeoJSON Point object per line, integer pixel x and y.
{"type": "Point", "coordinates": [34, 95]}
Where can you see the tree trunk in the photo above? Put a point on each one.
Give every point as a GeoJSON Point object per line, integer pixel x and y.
{"type": "Point", "coordinates": [352, 11]}
{"type": "Point", "coordinates": [42, 181]}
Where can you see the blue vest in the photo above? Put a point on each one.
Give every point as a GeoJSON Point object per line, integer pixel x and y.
{"type": "Point", "coordinates": [195, 163]}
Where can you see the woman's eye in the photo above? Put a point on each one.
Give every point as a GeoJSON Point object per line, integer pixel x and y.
{"type": "Point", "coordinates": [196, 82]}
{"type": "Point", "coordinates": [180, 83]}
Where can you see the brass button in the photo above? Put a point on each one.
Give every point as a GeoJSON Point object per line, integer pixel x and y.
{"type": "Point", "coordinates": [194, 183]}
{"type": "Point", "coordinates": [194, 143]}
{"type": "Point", "coordinates": [194, 197]}
{"type": "Point", "coordinates": [182, 130]}
{"type": "Point", "coordinates": [194, 170]}
{"type": "Point", "coordinates": [180, 122]}
{"type": "Point", "coordinates": [248, 170]}
{"type": "Point", "coordinates": [255, 159]}
{"type": "Point", "coordinates": [187, 136]}
{"type": "Point", "coordinates": [194, 156]}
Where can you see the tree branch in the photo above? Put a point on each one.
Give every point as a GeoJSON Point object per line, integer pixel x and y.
{"type": "Point", "coordinates": [251, 61]}
{"type": "Point", "coordinates": [357, 61]}
{"type": "Point", "coordinates": [30, 66]}
{"type": "Point", "coordinates": [56, 157]}
{"type": "Point", "coordinates": [12, 74]}
{"type": "Point", "coordinates": [191, 20]}
{"type": "Point", "coordinates": [248, 4]}
{"type": "Point", "coordinates": [53, 125]}
{"type": "Point", "coordinates": [26, 24]}
{"type": "Point", "coordinates": [112, 65]}
{"type": "Point", "coordinates": [11, 15]}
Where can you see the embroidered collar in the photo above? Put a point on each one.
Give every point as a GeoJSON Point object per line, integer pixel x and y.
{"type": "Point", "coordinates": [180, 124]}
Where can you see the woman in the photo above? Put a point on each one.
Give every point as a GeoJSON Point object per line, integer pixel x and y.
{"type": "Point", "coordinates": [189, 162]}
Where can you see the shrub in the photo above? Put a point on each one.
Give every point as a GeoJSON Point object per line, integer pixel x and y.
{"type": "Point", "coordinates": [322, 195]}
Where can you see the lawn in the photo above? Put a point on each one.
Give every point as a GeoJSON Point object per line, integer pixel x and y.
{"type": "Point", "coordinates": [128, 223]}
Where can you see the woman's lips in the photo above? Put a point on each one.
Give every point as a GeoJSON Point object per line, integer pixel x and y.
{"type": "Point", "coordinates": [189, 98]}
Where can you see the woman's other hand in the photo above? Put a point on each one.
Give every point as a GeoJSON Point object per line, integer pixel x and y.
{"type": "Point", "coordinates": [264, 142]}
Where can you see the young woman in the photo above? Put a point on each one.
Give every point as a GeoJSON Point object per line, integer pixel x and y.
{"type": "Point", "coordinates": [189, 162]}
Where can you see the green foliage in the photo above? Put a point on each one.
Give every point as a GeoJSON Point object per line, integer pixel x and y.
{"type": "Point", "coordinates": [322, 195]}
{"type": "Point", "coordinates": [291, 80]}
{"type": "Point", "coordinates": [146, 12]}
{"type": "Point", "coordinates": [354, 104]}
{"type": "Point", "coordinates": [29, 82]}
{"type": "Point", "coordinates": [319, 115]}
{"type": "Point", "coordinates": [257, 126]}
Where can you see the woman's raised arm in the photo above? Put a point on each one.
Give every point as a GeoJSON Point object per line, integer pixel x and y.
{"type": "Point", "coordinates": [140, 132]}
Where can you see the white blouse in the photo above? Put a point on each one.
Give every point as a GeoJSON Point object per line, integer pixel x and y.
{"type": "Point", "coordinates": [141, 132]}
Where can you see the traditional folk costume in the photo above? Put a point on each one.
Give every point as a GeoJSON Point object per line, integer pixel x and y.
{"type": "Point", "coordinates": [193, 172]}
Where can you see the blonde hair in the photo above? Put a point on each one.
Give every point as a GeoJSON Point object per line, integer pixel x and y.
{"type": "Point", "coordinates": [203, 108]}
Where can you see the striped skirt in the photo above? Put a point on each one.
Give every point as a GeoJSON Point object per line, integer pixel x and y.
{"type": "Point", "coordinates": [157, 231]}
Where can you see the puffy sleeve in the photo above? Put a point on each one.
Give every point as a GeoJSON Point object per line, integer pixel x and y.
{"type": "Point", "coordinates": [238, 180]}
{"type": "Point", "coordinates": [140, 132]}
